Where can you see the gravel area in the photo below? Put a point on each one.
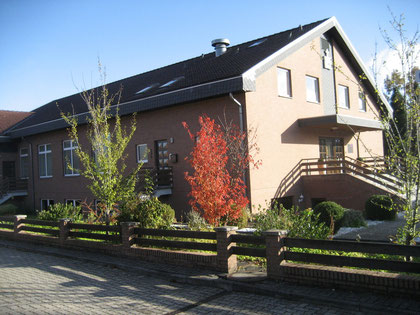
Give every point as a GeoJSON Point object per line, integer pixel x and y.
{"type": "Point", "coordinates": [376, 230]}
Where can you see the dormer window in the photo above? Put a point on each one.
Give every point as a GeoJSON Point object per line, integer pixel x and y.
{"type": "Point", "coordinates": [169, 83]}
{"type": "Point", "coordinates": [258, 42]}
{"type": "Point", "coordinates": [147, 88]}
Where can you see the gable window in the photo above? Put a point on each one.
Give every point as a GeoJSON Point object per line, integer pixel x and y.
{"type": "Point", "coordinates": [312, 89]}
{"type": "Point", "coordinates": [71, 161]}
{"type": "Point", "coordinates": [46, 203]}
{"type": "Point", "coordinates": [284, 82]}
{"type": "Point", "coordinates": [343, 96]}
{"type": "Point", "coordinates": [45, 160]}
{"type": "Point", "coordinates": [362, 102]}
{"type": "Point", "coordinates": [142, 153]}
{"type": "Point", "coordinates": [24, 163]}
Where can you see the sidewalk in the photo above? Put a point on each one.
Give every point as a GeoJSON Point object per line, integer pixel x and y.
{"type": "Point", "coordinates": [251, 281]}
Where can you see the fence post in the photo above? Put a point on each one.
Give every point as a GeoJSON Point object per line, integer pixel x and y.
{"type": "Point", "coordinates": [127, 233]}
{"type": "Point", "coordinates": [17, 224]}
{"type": "Point", "coordinates": [64, 226]}
{"type": "Point", "coordinates": [226, 261]}
{"type": "Point", "coordinates": [274, 240]}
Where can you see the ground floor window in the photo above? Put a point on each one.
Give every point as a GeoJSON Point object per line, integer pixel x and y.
{"type": "Point", "coordinates": [46, 203]}
{"type": "Point", "coordinates": [73, 202]}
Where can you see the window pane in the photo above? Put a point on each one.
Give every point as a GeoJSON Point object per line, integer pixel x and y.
{"type": "Point", "coordinates": [142, 153]}
{"type": "Point", "coordinates": [42, 171]}
{"type": "Point", "coordinates": [24, 167]}
{"type": "Point", "coordinates": [312, 89]}
{"type": "Point", "coordinates": [67, 144]}
{"type": "Point", "coordinates": [48, 147]}
{"type": "Point", "coordinates": [67, 162]}
{"type": "Point", "coordinates": [362, 102]}
{"type": "Point", "coordinates": [49, 164]}
{"type": "Point", "coordinates": [284, 88]}
{"type": "Point", "coordinates": [343, 96]}
{"type": "Point", "coordinates": [76, 163]}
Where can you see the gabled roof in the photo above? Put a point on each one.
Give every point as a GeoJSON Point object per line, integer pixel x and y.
{"type": "Point", "coordinates": [197, 78]}
{"type": "Point", "coordinates": [8, 118]}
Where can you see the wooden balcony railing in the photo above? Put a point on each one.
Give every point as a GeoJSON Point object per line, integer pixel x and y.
{"type": "Point", "coordinates": [371, 169]}
{"type": "Point", "coordinates": [8, 185]}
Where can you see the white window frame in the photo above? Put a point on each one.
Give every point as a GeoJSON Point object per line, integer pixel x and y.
{"type": "Point", "coordinates": [42, 150]}
{"type": "Point", "coordinates": [343, 99]}
{"type": "Point", "coordinates": [73, 146]}
{"type": "Point", "coordinates": [21, 156]}
{"type": "Point", "coordinates": [362, 102]}
{"type": "Point", "coordinates": [73, 202]}
{"type": "Point", "coordinates": [146, 159]}
{"type": "Point", "coordinates": [50, 202]}
{"type": "Point", "coordinates": [309, 98]}
{"type": "Point", "coordinates": [284, 91]}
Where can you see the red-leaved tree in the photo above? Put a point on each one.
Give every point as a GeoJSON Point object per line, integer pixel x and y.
{"type": "Point", "coordinates": [217, 192]}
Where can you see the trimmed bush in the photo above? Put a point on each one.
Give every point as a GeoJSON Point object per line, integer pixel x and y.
{"type": "Point", "coordinates": [151, 213]}
{"type": "Point", "coordinates": [352, 218]}
{"type": "Point", "coordinates": [8, 208]}
{"type": "Point", "coordinates": [299, 223]}
{"type": "Point", "coordinates": [328, 209]}
{"type": "Point", "coordinates": [379, 207]}
{"type": "Point", "coordinates": [61, 211]}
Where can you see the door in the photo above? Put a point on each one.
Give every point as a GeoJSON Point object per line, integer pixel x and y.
{"type": "Point", "coordinates": [332, 149]}
{"type": "Point", "coordinates": [162, 163]}
{"type": "Point", "coordinates": [9, 174]}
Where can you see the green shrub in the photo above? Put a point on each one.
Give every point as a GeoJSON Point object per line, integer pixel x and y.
{"type": "Point", "coordinates": [379, 207]}
{"type": "Point", "coordinates": [195, 221]}
{"type": "Point", "coordinates": [61, 211]}
{"type": "Point", "coordinates": [8, 208]}
{"type": "Point", "coordinates": [150, 212]}
{"type": "Point", "coordinates": [352, 218]}
{"type": "Point", "coordinates": [299, 223]}
{"type": "Point", "coordinates": [328, 209]}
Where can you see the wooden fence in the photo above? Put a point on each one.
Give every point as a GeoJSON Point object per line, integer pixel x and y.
{"type": "Point", "coordinates": [322, 262]}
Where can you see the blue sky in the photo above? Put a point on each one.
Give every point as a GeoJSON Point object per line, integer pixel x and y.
{"type": "Point", "coordinates": [49, 48]}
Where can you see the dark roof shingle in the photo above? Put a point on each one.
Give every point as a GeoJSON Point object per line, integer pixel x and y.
{"type": "Point", "coordinates": [203, 69]}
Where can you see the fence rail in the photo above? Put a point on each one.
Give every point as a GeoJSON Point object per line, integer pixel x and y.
{"type": "Point", "coordinates": [291, 259]}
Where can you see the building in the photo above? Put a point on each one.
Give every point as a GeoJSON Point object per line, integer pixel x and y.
{"type": "Point", "coordinates": [300, 89]}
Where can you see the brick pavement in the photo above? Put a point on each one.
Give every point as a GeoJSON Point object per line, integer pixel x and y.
{"type": "Point", "coordinates": [43, 280]}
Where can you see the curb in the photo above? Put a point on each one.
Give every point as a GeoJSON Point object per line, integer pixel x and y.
{"type": "Point", "coordinates": [217, 281]}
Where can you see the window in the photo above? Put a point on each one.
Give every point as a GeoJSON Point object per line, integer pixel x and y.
{"type": "Point", "coordinates": [73, 202]}
{"type": "Point", "coordinates": [46, 203]}
{"type": "Point", "coordinates": [362, 102]}
{"type": "Point", "coordinates": [71, 161]}
{"type": "Point", "coordinates": [171, 82]}
{"type": "Point", "coordinates": [45, 160]}
{"type": "Point", "coordinates": [312, 89]}
{"type": "Point", "coordinates": [142, 153]}
{"type": "Point", "coordinates": [284, 82]}
{"type": "Point", "coordinates": [24, 163]}
{"type": "Point", "coordinates": [343, 96]}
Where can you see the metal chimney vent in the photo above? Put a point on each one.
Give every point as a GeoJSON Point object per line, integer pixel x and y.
{"type": "Point", "coordinates": [220, 45]}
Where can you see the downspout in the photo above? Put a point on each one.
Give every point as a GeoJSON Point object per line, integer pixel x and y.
{"type": "Point", "coordinates": [241, 126]}
{"type": "Point", "coordinates": [32, 171]}
{"type": "Point", "coordinates": [241, 114]}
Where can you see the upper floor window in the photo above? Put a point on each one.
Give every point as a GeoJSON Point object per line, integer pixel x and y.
{"type": "Point", "coordinates": [284, 83]}
{"type": "Point", "coordinates": [312, 89]}
{"type": "Point", "coordinates": [45, 160]}
{"type": "Point", "coordinates": [343, 96]}
{"type": "Point", "coordinates": [142, 153]}
{"type": "Point", "coordinates": [362, 102]}
{"type": "Point", "coordinates": [24, 163]}
{"type": "Point", "coordinates": [71, 161]}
